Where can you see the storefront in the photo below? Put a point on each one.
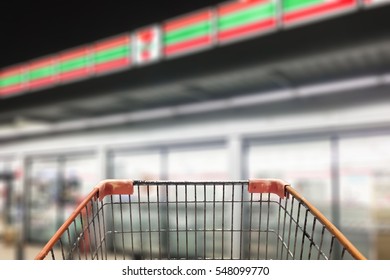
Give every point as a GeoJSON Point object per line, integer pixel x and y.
{"type": "Point", "coordinates": [336, 154]}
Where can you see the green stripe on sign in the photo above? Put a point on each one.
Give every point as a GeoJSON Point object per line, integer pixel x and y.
{"type": "Point", "coordinates": [246, 16]}
{"type": "Point", "coordinates": [11, 80]}
{"type": "Point", "coordinates": [289, 5]}
{"type": "Point", "coordinates": [41, 72]}
{"type": "Point", "coordinates": [112, 54]}
{"type": "Point", "coordinates": [187, 33]}
{"type": "Point", "coordinates": [72, 64]}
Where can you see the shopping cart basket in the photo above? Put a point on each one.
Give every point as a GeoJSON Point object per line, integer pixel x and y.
{"type": "Point", "coordinates": [255, 219]}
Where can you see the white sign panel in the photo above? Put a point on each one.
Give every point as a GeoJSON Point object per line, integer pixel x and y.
{"type": "Point", "coordinates": [147, 45]}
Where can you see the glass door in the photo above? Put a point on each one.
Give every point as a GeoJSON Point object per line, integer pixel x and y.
{"type": "Point", "coordinates": [79, 177]}
{"type": "Point", "coordinates": [199, 163]}
{"type": "Point", "coordinates": [44, 201]}
{"type": "Point", "coordinates": [7, 195]}
{"type": "Point", "coordinates": [137, 165]}
{"type": "Point", "coordinates": [306, 166]}
{"type": "Point", "coordinates": [56, 185]}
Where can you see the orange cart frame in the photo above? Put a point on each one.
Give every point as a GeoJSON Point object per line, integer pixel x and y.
{"type": "Point", "coordinates": [255, 219]}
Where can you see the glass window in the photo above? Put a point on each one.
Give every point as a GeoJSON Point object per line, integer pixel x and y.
{"type": "Point", "coordinates": [198, 164]}
{"type": "Point", "coordinates": [304, 165]}
{"type": "Point", "coordinates": [365, 194]}
{"type": "Point", "coordinates": [137, 166]}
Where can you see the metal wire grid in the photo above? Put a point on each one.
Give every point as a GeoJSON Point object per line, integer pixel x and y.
{"type": "Point", "coordinates": [197, 220]}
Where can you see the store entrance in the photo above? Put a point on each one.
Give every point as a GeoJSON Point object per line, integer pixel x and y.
{"type": "Point", "coordinates": [55, 185]}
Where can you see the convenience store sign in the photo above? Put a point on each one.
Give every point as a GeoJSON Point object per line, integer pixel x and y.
{"type": "Point", "coordinates": [41, 73]}
{"type": "Point", "coordinates": [188, 34]}
{"type": "Point", "coordinates": [12, 80]}
{"type": "Point", "coordinates": [74, 64]}
{"type": "Point", "coordinates": [243, 19]}
{"type": "Point", "coordinates": [228, 22]}
{"type": "Point", "coordinates": [299, 11]}
{"type": "Point", "coordinates": [147, 45]}
{"type": "Point", "coordinates": [112, 54]}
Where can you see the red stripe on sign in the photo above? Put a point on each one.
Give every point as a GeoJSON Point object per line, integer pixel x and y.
{"type": "Point", "coordinates": [111, 65]}
{"type": "Point", "coordinates": [314, 11]}
{"type": "Point", "coordinates": [183, 22]}
{"type": "Point", "coordinates": [120, 41]}
{"type": "Point", "coordinates": [237, 6]}
{"type": "Point", "coordinates": [73, 54]}
{"type": "Point", "coordinates": [11, 90]}
{"type": "Point", "coordinates": [41, 63]}
{"type": "Point", "coordinates": [195, 43]}
{"type": "Point", "coordinates": [41, 82]}
{"type": "Point", "coordinates": [246, 30]}
{"type": "Point", "coordinates": [73, 75]}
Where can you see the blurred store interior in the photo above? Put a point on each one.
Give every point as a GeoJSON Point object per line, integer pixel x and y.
{"type": "Point", "coordinates": [308, 103]}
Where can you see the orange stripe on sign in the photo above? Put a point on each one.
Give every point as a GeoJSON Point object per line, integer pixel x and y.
{"type": "Point", "coordinates": [185, 21]}
{"type": "Point", "coordinates": [120, 41]}
{"type": "Point", "coordinates": [237, 6]}
{"type": "Point", "coordinates": [73, 54]}
{"type": "Point", "coordinates": [11, 71]}
{"type": "Point", "coordinates": [41, 63]}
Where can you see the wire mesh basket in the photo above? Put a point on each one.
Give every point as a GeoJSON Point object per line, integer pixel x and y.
{"type": "Point", "coordinates": [255, 219]}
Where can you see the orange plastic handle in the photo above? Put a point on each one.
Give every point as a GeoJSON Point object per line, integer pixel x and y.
{"type": "Point", "coordinates": [109, 187]}
{"type": "Point", "coordinates": [275, 186]}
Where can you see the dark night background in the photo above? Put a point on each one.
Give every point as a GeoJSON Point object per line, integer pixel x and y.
{"type": "Point", "coordinates": [30, 29]}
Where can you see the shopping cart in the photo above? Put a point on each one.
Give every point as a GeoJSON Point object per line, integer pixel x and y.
{"type": "Point", "coordinates": [255, 219]}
